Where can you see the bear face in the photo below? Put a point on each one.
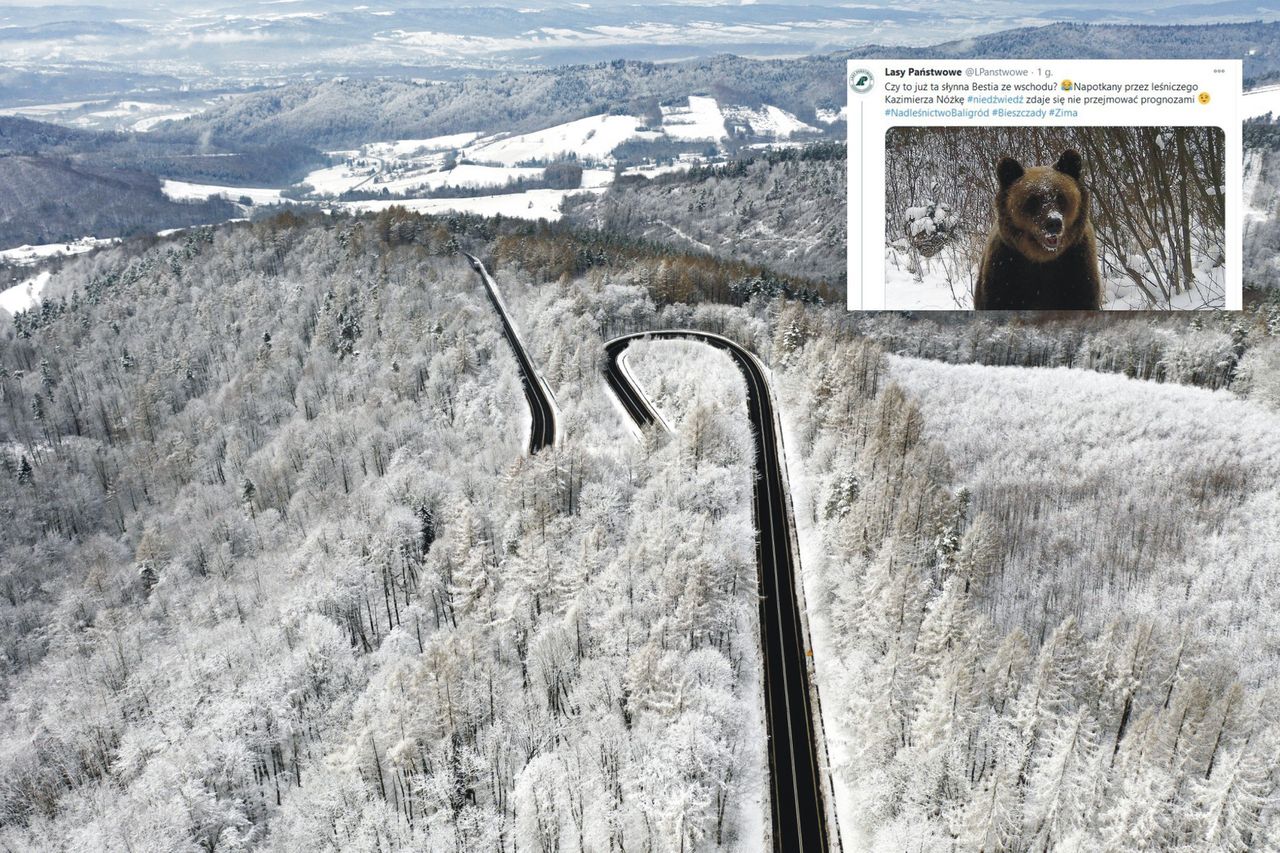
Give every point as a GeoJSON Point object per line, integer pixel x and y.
{"type": "Point", "coordinates": [1042, 211]}
{"type": "Point", "coordinates": [1042, 253]}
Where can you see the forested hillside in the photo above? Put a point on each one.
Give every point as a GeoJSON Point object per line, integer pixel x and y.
{"type": "Point", "coordinates": [48, 200]}
{"type": "Point", "coordinates": [346, 112]}
{"type": "Point", "coordinates": [784, 210]}
{"type": "Point", "coordinates": [279, 576]}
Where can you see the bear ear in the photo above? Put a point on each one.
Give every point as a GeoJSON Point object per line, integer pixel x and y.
{"type": "Point", "coordinates": [1008, 170]}
{"type": "Point", "coordinates": [1070, 163]}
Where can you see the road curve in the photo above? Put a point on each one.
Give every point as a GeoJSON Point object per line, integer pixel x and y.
{"type": "Point", "coordinates": [796, 793]}
{"type": "Point", "coordinates": [543, 426]}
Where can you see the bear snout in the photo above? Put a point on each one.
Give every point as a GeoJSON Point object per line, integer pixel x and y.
{"type": "Point", "coordinates": [1053, 223]}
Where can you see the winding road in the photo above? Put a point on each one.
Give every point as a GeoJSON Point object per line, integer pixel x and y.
{"type": "Point", "coordinates": [542, 409]}
{"type": "Point", "coordinates": [799, 814]}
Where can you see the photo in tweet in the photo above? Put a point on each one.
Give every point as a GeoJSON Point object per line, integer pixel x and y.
{"type": "Point", "coordinates": [1013, 186]}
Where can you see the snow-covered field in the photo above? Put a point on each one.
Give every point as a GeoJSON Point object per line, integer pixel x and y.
{"type": "Point", "coordinates": [24, 296]}
{"type": "Point", "coordinates": [534, 204]}
{"type": "Point", "coordinates": [588, 139]}
{"type": "Point", "coordinates": [147, 124]}
{"type": "Point", "coordinates": [1257, 102]}
{"type": "Point", "coordinates": [141, 116]}
{"type": "Point", "coordinates": [700, 120]}
{"type": "Point", "coordinates": [184, 191]}
{"type": "Point", "coordinates": [27, 255]}
{"type": "Point", "coordinates": [768, 121]}
{"type": "Point", "coordinates": [411, 148]}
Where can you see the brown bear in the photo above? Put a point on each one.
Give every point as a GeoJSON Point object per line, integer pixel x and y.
{"type": "Point", "coordinates": [1042, 253]}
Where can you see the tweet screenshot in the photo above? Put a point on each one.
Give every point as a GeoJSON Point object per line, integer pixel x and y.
{"type": "Point", "coordinates": [1044, 185]}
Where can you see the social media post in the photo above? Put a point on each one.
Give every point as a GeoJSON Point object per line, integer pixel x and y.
{"type": "Point", "coordinates": [1027, 185]}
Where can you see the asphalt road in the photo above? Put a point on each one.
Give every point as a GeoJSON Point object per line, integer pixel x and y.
{"type": "Point", "coordinates": [799, 815]}
{"type": "Point", "coordinates": [542, 432]}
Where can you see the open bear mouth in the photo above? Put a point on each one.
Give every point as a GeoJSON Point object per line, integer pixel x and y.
{"type": "Point", "coordinates": [1050, 241]}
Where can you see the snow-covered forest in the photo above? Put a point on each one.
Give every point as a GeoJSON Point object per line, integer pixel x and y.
{"type": "Point", "coordinates": [1157, 205]}
{"type": "Point", "coordinates": [1038, 602]}
{"type": "Point", "coordinates": [280, 574]}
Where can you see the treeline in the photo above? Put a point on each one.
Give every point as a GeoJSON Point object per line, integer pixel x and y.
{"type": "Point", "coordinates": [819, 152]}
{"type": "Point", "coordinates": [1262, 132]}
{"type": "Point", "coordinates": [558, 176]}
{"type": "Point", "coordinates": [551, 251]}
{"type": "Point", "coordinates": [1203, 350]}
{"type": "Point", "coordinates": [671, 277]}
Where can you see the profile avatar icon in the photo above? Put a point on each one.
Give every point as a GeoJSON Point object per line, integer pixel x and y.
{"type": "Point", "coordinates": [861, 81]}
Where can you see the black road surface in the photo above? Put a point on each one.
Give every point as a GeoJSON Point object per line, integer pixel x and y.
{"type": "Point", "coordinates": [542, 432]}
{"type": "Point", "coordinates": [799, 816]}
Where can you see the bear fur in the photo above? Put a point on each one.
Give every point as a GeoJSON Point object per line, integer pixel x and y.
{"type": "Point", "coordinates": [1042, 253]}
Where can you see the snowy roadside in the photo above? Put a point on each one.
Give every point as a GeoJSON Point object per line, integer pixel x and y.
{"type": "Point", "coordinates": [826, 662]}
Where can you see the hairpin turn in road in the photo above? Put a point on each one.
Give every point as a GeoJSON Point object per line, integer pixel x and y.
{"type": "Point", "coordinates": [796, 792]}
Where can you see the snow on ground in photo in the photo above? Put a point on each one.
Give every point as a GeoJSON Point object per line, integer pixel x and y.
{"type": "Point", "coordinates": [184, 191]}
{"type": "Point", "coordinates": [141, 116]}
{"type": "Point", "coordinates": [596, 178]}
{"type": "Point", "coordinates": [336, 180]}
{"type": "Point", "coordinates": [36, 110]}
{"type": "Point", "coordinates": [24, 296]}
{"type": "Point", "coordinates": [700, 120]}
{"type": "Point", "coordinates": [26, 255]}
{"type": "Point", "coordinates": [467, 175]}
{"type": "Point", "coordinates": [930, 291]}
{"type": "Point", "coordinates": [655, 171]}
{"type": "Point", "coordinates": [588, 139]}
{"type": "Point", "coordinates": [125, 109]}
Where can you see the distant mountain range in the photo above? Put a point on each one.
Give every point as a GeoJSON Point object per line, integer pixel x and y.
{"type": "Point", "coordinates": [47, 49]}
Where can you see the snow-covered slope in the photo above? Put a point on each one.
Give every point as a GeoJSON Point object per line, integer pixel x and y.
{"type": "Point", "coordinates": [700, 120]}
{"type": "Point", "coordinates": [24, 296]}
{"type": "Point", "coordinates": [588, 139]}
{"type": "Point", "coordinates": [185, 191]}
